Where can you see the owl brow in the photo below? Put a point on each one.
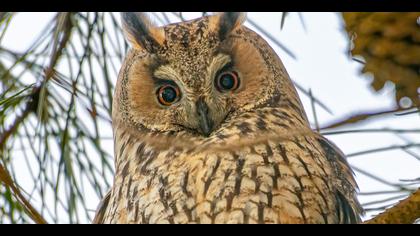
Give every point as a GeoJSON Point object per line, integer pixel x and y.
{"type": "Point", "coordinates": [221, 61]}
{"type": "Point", "coordinates": [165, 72]}
{"type": "Point", "coordinates": [159, 82]}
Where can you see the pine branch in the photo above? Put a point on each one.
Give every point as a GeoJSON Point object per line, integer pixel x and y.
{"type": "Point", "coordinates": [9, 183]}
{"type": "Point", "coordinates": [13, 128]}
{"type": "Point", "coordinates": [64, 27]}
{"type": "Point", "coordinates": [406, 211]}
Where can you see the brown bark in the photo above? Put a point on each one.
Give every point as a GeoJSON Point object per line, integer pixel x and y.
{"type": "Point", "coordinates": [406, 211]}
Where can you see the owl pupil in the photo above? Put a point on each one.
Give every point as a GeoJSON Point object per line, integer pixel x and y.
{"type": "Point", "coordinates": [227, 81]}
{"type": "Point", "coordinates": [169, 94]}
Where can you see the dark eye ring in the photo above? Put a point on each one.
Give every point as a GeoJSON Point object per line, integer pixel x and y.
{"type": "Point", "coordinates": [227, 81]}
{"type": "Point", "coordinates": [168, 94]}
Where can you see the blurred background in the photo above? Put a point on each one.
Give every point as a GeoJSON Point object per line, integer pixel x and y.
{"type": "Point", "coordinates": [357, 74]}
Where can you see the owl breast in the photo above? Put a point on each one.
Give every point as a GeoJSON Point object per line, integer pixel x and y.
{"type": "Point", "coordinates": [224, 179]}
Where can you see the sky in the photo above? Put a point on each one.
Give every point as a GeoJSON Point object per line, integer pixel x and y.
{"type": "Point", "coordinates": [323, 65]}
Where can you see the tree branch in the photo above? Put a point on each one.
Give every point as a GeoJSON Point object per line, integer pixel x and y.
{"type": "Point", "coordinates": [9, 183]}
{"type": "Point", "coordinates": [406, 211]}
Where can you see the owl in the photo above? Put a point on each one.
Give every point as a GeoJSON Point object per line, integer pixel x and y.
{"type": "Point", "coordinates": [208, 128]}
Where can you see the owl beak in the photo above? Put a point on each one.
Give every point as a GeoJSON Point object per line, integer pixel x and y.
{"type": "Point", "coordinates": [206, 124]}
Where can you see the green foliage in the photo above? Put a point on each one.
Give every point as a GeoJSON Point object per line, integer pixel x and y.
{"type": "Point", "coordinates": [47, 114]}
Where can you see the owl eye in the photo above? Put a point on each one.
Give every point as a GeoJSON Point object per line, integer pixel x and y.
{"type": "Point", "coordinates": [168, 94]}
{"type": "Point", "coordinates": [227, 81]}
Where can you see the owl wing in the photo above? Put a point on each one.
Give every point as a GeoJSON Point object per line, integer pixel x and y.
{"type": "Point", "coordinates": [348, 207]}
{"type": "Point", "coordinates": [100, 212]}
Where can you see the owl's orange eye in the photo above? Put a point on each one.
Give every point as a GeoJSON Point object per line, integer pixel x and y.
{"type": "Point", "coordinates": [168, 94]}
{"type": "Point", "coordinates": [227, 81]}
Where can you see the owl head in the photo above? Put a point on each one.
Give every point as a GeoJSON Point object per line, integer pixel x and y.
{"type": "Point", "coordinates": [196, 76]}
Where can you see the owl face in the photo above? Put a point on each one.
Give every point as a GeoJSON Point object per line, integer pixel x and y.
{"type": "Point", "coordinates": [194, 76]}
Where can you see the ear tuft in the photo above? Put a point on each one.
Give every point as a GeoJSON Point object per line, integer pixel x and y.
{"type": "Point", "coordinates": [140, 32]}
{"type": "Point", "coordinates": [228, 21]}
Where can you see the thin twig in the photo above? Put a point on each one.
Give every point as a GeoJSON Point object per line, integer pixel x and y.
{"type": "Point", "coordinates": [316, 100]}
{"type": "Point", "coordinates": [382, 192]}
{"type": "Point", "coordinates": [361, 116]}
{"type": "Point", "coordinates": [383, 149]}
{"type": "Point", "coordinates": [370, 131]}
{"type": "Point", "coordinates": [314, 110]}
{"type": "Point", "coordinates": [372, 176]}
{"type": "Point", "coordinates": [13, 128]}
{"type": "Point", "coordinates": [283, 19]}
{"type": "Point", "coordinates": [272, 38]}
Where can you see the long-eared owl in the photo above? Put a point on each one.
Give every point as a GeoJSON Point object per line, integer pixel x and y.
{"type": "Point", "coordinates": [208, 128]}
